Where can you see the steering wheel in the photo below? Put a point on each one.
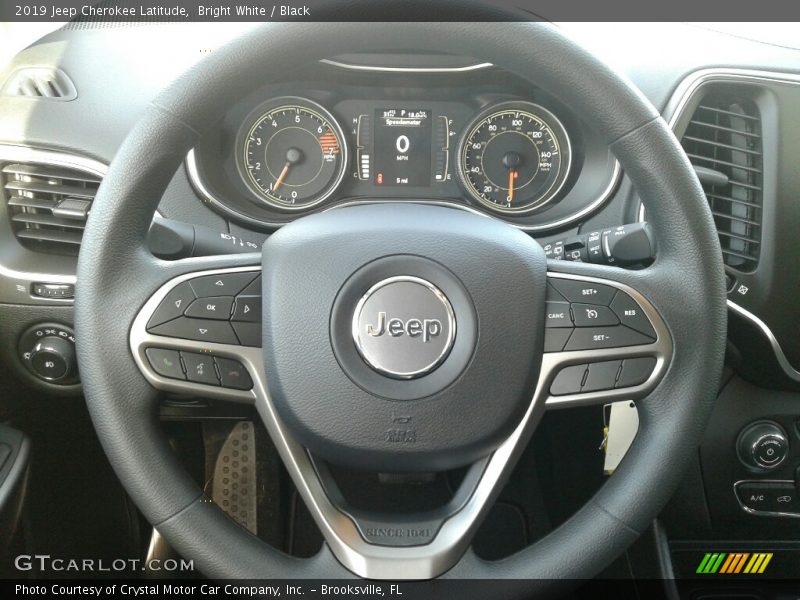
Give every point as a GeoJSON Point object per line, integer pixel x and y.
{"type": "Point", "coordinates": [402, 337]}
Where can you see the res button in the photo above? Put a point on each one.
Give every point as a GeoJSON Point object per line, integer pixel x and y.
{"type": "Point", "coordinates": [631, 314]}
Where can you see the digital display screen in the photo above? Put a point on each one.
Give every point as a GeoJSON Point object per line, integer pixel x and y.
{"type": "Point", "coordinates": [402, 147]}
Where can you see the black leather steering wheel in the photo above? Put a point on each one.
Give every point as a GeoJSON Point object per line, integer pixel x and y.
{"type": "Point", "coordinates": [325, 262]}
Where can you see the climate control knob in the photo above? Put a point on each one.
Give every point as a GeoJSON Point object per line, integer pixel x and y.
{"type": "Point", "coordinates": [763, 445]}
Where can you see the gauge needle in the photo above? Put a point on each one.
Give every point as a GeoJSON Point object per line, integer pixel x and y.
{"type": "Point", "coordinates": [512, 175]}
{"type": "Point", "coordinates": [281, 177]}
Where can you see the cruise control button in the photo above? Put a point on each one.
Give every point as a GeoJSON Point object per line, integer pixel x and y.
{"type": "Point", "coordinates": [593, 315]}
{"type": "Point", "coordinates": [166, 363]}
{"type": "Point", "coordinates": [596, 338]}
{"type": "Point", "coordinates": [601, 376]}
{"type": "Point", "coordinates": [249, 333]}
{"type": "Point", "coordinates": [233, 374]}
{"type": "Point", "coordinates": [555, 338]}
{"type": "Point", "coordinates": [557, 315]}
{"type": "Point", "coordinates": [172, 306]}
{"type": "Point", "coordinates": [568, 380]}
{"type": "Point", "coordinates": [200, 368]}
{"type": "Point", "coordinates": [225, 284]}
{"type": "Point", "coordinates": [776, 496]}
{"type": "Point", "coordinates": [583, 291]}
{"type": "Point", "coordinates": [635, 371]}
{"type": "Point", "coordinates": [203, 330]}
{"type": "Point", "coordinates": [247, 309]}
{"type": "Point", "coordinates": [217, 308]}
{"type": "Point", "coordinates": [631, 314]}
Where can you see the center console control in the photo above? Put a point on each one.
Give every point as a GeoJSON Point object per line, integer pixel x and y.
{"type": "Point", "coordinates": [763, 446]}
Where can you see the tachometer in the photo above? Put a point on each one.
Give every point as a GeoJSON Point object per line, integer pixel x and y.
{"type": "Point", "coordinates": [292, 153]}
{"type": "Point", "coordinates": [514, 158]}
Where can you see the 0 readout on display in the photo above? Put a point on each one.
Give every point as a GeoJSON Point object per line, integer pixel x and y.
{"type": "Point", "coordinates": [402, 146]}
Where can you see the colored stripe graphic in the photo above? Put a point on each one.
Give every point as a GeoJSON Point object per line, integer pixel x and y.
{"type": "Point", "coordinates": [740, 563]}
{"type": "Point", "coordinates": [728, 562]}
{"type": "Point", "coordinates": [767, 558]}
{"type": "Point", "coordinates": [755, 562]}
{"type": "Point", "coordinates": [703, 563]}
{"type": "Point", "coordinates": [711, 562]}
{"type": "Point", "coordinates": [734, 563]}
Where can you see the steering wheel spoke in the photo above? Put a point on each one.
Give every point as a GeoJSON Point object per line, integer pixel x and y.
{"type": "Point", "coordinates": [604, 340]}
{"type": "Point", "coordinates": [181, 350]}
{"type": "Point", "coordinates": [200, 332]}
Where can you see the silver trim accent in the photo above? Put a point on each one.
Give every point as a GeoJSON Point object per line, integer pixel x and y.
{"type": "Point", "coordinates": [694, 81]}
{"type": "Point", "coordinates": [451, 326]}
{"type": "Point", "coordinates": [660, 349]}
{"type": "Point", "coordinates": [377, 69]}
{"type": "Point", "coordinates": [784, 363]}
{"type": "Point", "coordinates": [674, 110]}
{"type": "Point", "coordinates": [762, 513]}
{"type": "Point", "coordinates": [341, 533]}
{"type": "Point", "coordinates": [200, 187]}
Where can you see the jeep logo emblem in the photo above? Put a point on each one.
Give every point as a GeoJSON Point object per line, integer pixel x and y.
{"type": "Point", "coordinates": [404, 327]}
{"type": "Point", "coordinates": [427, 328]}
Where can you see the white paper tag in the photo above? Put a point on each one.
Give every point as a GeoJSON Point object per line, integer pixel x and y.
{"type": "Point", "coordinates": [623, 423]}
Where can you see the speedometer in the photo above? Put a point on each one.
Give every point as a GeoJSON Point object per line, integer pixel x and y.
{"type": "Point", "coordinates": [514, 158]}
{"type": "Point", "coordinates": [291, 153]}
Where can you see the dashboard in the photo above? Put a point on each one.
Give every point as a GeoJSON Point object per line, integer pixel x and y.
{"type": "Point", "coordinates": [475, 137]}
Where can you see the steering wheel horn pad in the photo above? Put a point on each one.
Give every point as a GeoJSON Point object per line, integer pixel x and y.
{"type": "Point", "coordinates": [121, 283]}
{"type": "Point", "coordinates": [316, 270]}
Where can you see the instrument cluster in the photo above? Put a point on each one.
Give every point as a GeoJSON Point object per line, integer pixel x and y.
{"type": "Point", "coordinates": [500, 147]}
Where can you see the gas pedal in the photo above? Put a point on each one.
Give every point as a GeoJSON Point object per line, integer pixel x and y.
{"type": "Point", "coordinates": [234, 484]}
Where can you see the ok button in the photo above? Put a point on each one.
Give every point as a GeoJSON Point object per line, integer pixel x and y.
{"type": "Point", "coordinates": [218, 308]}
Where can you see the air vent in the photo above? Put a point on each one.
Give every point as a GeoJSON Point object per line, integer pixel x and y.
{"type": "Point", "coordinates": [48, 205]}
{"type": "Point", "coordinates": [40, 82]}
{"type": "Point", "coordinates": [723, 142]}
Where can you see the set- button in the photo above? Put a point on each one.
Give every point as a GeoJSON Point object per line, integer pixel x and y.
{"type": "Point", "coordinates": [199, 368]}
{"type": "Point", "coordinates": [222, 309]}
{"type": "Point", "coordinates": [587, 316]}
